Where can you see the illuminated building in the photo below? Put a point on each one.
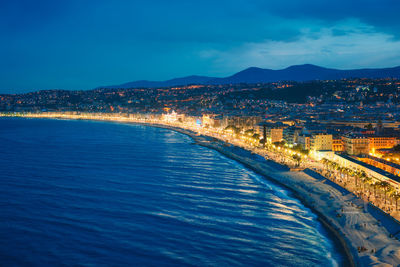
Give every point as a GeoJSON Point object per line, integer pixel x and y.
{"type": "Point", "coordinates": [290, 134]}
{"type": "Point", "coordinates": [321, 141]}
{"type": "Point", "coordinates": [173, 117]}
{"type": "Point", "coordinates": [304, 141]}
{"type": "Point", "coordinates": [355, 144]}
{"type": "Point", "coordinates": [211, 120]}
{"type": "Point", "coordinates": [383, 164]}
{"type": "Point", "coordinates": [337, 144]}
{"type": "Point", "coordinates": [380, 142]}
{"type": "Point", "coordinates": [241, 122]}
{"type": "Point", "coordinates": [271, 132]}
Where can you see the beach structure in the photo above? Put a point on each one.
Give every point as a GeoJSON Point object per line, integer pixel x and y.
{"type": "Point", "coordinates": [381, 163]}
{"type": "Point", "coordinates": [355, 164]}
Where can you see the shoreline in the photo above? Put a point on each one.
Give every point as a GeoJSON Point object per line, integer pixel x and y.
{"type": "Point", "coordinates": [320, 216]}
{"type": "Point", "coordinates": [341, 234]}
{"type": "Point", "coordinates": [334, 233]}
{"type": "Point", "coordinates": [354, 228]}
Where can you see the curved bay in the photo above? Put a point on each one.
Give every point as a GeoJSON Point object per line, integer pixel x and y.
{"type": "Point", "coordinates": [93, 193]}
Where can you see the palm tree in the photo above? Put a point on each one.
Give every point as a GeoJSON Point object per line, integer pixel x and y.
{"type": "Point", "coordinates": [297, 158]}
{"type": "Point", "coordinates": [362, 175]}
{"type": "Point", "coordinates": [357, 175]}
{"type": "Point", "coordinates": [396, 196]}
{"type": "Point", "coordinates": [345, 171]}
{"type": "Point", "coordinates": [367, 181]}
{"type": "Point", "coordinates": [329, 165]}
{"type": "Point", "coordinates": [249, 132]}
{"type": "Point", "coordinates": [324, 161]}
{"type": "Point", "coordinates": [351, 175]}
{"type": "Point", "coordinates": [375, 184]}
{"type": "Point", "coordinates": [385, 186]}
{"type": "Point", "coordinates": [390, 192]}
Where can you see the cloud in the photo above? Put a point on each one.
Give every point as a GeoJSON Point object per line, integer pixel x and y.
{"type": "Point", "coordinates": [342, 46]}
{"type": "Point", "coordinates": [382, 14]}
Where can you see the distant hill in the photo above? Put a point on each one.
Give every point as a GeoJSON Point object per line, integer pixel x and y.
{"type": "Point", "coordinates": [173, 82]}
{"type": "Point", "coordinates": [306, 72]}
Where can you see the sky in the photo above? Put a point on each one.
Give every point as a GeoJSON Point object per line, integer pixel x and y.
{"type": "Point", "coordinates": [83, 44]}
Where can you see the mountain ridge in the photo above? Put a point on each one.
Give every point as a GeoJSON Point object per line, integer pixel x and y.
{"type": "Point", "coordinates": [299, 73]}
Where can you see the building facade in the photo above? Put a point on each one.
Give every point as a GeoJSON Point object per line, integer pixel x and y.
{"type": "Point", "coordinates": [271, 132]}
{"type": "Point", "coordinates": [241, 122]}
{"type": "Point", "coordinates": [337, 144]}
{"type": "Point", "coordinates": [381, 142]}
{"type": "Point", "coordinates": [320, 141]}
{"type": "Point", "coordinates": [304, 141]}
{"type": "Point", "coordinates": [355, 144]}
{"type": "Point", "coordinates": [290, 135]}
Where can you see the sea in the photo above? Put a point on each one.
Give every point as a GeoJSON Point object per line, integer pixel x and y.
{"type": "Point", "coordinates": [90, 193]}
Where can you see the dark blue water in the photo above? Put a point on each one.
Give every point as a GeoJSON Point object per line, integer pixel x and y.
{"type": "Point", "coordinates": [105, 194]}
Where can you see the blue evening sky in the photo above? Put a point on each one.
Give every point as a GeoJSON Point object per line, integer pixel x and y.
{"type": "Point", "coordinates": [82, 44]}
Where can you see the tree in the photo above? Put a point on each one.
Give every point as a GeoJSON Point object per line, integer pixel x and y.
{"type": "Point", "coordinates": [262, 141]}
{"type": "Point", "coordinates": [297, 158]}
{"type": "Point", "coordinates": [305, 152]}
{"type": "Point", "coordinates": [368, 181]}
{"type": "Point", "coordinates": [369, 127]}
{"type": "Point", "coordinates": [396, 196]}
{"type": "Point", "coordinates": [280, 143]}
{"type": "Point", "coordinates": [358, 176]}
{"type": "Point", "coordinates": [299, 148]}
{"type": "Point", "coordinates": [385, 186]}
{"type": "Point", "coordinates": [390, 192]}
{"type": "Point", "coordinates": [375, 185]}
{"type": "Point", "coordinates": [361, 175]}
{"type": "Point", "coordinates": [249, 132]}
{"type": "Point", "coordinates": [232, 129]}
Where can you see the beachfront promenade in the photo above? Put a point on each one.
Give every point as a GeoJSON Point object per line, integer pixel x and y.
{"type": "Point", "coordinates": [325, 189]}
